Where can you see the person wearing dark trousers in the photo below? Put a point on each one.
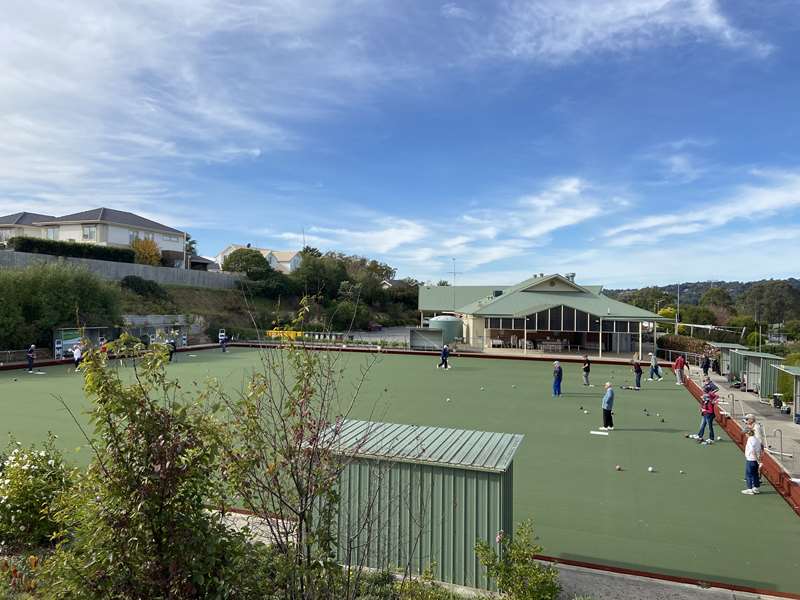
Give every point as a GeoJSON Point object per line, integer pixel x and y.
{"type": "Point", "coordinates": [30, 355]}
{"type": "Point", "coordinates": [558, 375]}
{"type": "Point", "coordinates": [608, 406]}
{"type": "Point", "coordinates": [705, 365]}
{"type": "Point", "coordinates": [707, 404]}
{"type": "Point", "coordinates": [655, 370]}
{"type": "Point", "coordinates": [587, 366]}
{"type": "Point", "coordinates": [637, 372]}
{"type": "Point", "coordinates": [752, 456]}
{"type": "Point", "coordinates": [444, 356]}
{"type": "Point", "coordinates": [171, 348]}
{"type": "Point", "coordinates": [223, 341]}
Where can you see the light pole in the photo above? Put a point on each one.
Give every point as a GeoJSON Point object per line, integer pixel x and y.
{"type": "Point", "coordinates": [678, 309]}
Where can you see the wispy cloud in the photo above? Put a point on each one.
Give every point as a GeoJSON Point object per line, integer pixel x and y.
{"type": "Point", "coordinates": [451, 10]}
{"type": "Point", "coordinates": [778, 191]}
{"type": "Point", "coordinates": [555, 32]}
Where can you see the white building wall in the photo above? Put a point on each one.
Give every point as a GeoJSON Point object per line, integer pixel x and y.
{"type": "Point", "coordinates": [118, 235]}
{"type": "Point", "coordinates": [70, 233]}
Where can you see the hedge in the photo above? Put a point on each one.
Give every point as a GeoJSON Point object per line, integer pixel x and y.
{"type": "Point", "coordinates": [73, 249]}
{"type": "Point", "coordinates": [144, 287]}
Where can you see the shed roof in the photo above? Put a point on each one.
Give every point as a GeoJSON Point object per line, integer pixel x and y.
{"type": "Point", "coordinates": [440, 446]}
{"type": "Point", "coordinates": [752, 354]}
{"type": "Point", "coordinates": [790, 369]}
{"type": "Point", "coordinates": [727, 346]}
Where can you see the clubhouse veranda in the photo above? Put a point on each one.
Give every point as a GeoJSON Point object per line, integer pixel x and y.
{"type": "Point", "coordinates": [545, 313]}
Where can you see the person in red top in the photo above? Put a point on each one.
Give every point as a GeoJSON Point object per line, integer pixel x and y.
{"type": "Point", "coordinates": [707, 415]}
{"type": "Point", "coordinates": [678, 366]}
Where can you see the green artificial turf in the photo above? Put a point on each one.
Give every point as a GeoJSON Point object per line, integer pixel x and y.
{"type": "Point", "coordinates": [695, 524]}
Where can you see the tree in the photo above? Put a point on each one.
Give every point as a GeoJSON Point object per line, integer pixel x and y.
{"type": "Point", "coordinates": [147, 252]}
{"type": "Point", "coordinates": [649, 298]}
{"type": "Point", "coordinates": [190, 248]}
{"type": "Point", "coordinates": [717, 296]}
{"type": "Point", "coordinates": [310, 251]}
{"type": "Point", "coordinates": [772, 301]}
{"type": "Point", "coordinates": [443, 283]}
{"type": "Point", "coordinates": [699, 315]}
{"type": "Point", "coordinates": [793, 329]}
{"type": "Point", "coordinates": [245, 260]}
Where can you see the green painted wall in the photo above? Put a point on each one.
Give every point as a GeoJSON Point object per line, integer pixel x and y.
{"type": "Point", "coordinates": [398, 515]}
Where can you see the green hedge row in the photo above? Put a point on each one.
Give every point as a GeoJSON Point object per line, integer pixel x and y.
{"type": "Point", "coordinates": [73, 249]}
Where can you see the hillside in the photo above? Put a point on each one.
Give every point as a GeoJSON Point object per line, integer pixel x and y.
{"type": "Point", "coordinates": [691, 292]}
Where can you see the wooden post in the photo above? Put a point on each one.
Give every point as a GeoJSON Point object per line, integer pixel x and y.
{"type": "Point", "coordinates": [600, 339]}
{"type": "Point", "coordinates": [640, 340]}
{"type": "Point", "coordinates": [525, 340]}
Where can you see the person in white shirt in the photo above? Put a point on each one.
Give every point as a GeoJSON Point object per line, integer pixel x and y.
{"type": "Point", "coordinates": [752, 456]}
{"type": "Point", "coordinates": [77, 355]}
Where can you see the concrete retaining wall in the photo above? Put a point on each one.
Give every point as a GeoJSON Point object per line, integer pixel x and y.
{"type": "Point", "coordinates": [116, 271]}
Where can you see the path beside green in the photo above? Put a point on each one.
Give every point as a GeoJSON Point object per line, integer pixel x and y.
{"type": "Point", "coordinates": [696, 524]}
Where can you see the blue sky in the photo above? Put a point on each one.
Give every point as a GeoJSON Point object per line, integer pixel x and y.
{"type": "Point", "coordinates": [634, 142]}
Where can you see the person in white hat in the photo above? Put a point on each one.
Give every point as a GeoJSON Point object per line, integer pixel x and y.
{"type": "Point", "coordinates": [558, 375]}
{"type": "Point", "coordinates": [750, 423]}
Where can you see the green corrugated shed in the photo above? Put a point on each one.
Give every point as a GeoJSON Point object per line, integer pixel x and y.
{"type": "Point", "coordinates": [756, 367]}
{"type": "Point", "coordinates": [725, 349]}
{"type": "Point", "coordinates": [419, 497]}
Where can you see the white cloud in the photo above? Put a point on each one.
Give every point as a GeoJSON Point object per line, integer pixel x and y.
{"type": "Point", "coordinates": [554, 32]}
{"type": "Point", "coordinates": [780, 191]}
{"type": "Point", "coordinates": [451, 10]}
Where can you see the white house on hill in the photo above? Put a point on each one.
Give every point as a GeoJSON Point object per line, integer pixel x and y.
{"type": "Point", "coordinates": [100, 226]}
{"type": "Point", "coordinates": [284, 261]}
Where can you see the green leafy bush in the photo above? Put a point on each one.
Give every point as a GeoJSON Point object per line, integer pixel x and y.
{"type": "Point", "coordinates": [144, 287]}
{"type": "Point", "coordinates": [72, 249]}
{"type": "Point", "coordinates": [515, 569]}
{"type": "Point", "coordinates": [683, 343]}
{"type": "Point", "coordinates": [30, 480]}
{"type": "Point", "coordinates": [36, 300]}
{"type": "Point", "coordinates": [135, 524]}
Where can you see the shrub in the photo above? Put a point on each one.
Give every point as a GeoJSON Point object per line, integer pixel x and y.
{"type": "Point", "coordinates": [19, 576]}
{"type": "Point", "coordinates": [515, 568]}
{"type": "Point", "coordinates": [30, 479]}
{"type": "Point", "coordinates": [146, 252]}
{"type": "Point", "coordinates": [73, 249]}
{"type": "Point", "coordinates": [144, 287]}
{"type": "Point", "coordinates": [245, 260]}
{"type": "Point", "coordinates": [683, 343]}
{"type": "Point", "coordinates": [135, 524]}
{"type": "Point", "coordinates": [36, 300]}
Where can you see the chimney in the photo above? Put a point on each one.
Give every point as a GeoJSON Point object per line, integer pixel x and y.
{"type": "Point", "coordinates": [570, 277]}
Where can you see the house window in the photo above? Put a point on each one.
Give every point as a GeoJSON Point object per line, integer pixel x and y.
{"type": "Point", "coordinates": [51, 233]}
{"type": "Point", "coordinates": [133, 235]}
{"type": "Point", "coordinates": [171, 238]}
{"type": "Point", "coordinates": [6, 234]}
{"type": "Point", "coordinates": [149, 236]}
{"type": "Point", "coordinates": [89, 233]}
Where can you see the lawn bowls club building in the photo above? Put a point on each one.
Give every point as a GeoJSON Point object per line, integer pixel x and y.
{"type": "Point", "coordinates": [546, 313]}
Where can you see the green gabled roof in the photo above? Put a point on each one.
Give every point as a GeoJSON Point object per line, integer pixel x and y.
{"type": "Point", "coordinates": [526, 303]}
{"type": "Point", "coordinates": [440, 297]}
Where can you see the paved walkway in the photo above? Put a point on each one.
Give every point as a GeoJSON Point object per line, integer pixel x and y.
{"type": "Point", "coordinates": [774, 422]}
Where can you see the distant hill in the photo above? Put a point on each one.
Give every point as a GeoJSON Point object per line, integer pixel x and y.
{"type": "Point", "coordinates": [691, 292]}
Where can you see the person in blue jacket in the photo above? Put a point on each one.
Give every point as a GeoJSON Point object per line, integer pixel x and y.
{"type": "Point", "coordinates": [445, 355]}
{"type": "Point", "coordinates": [558, 375]}
{"type": "Point", "coordinates": [608, 406]}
